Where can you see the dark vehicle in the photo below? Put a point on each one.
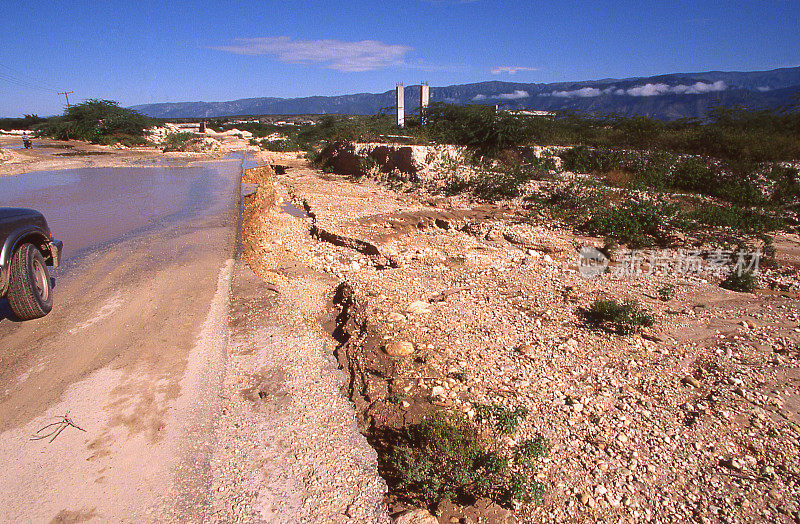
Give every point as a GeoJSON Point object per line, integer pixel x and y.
{"type": "Point", "coordinates": [26, 249]}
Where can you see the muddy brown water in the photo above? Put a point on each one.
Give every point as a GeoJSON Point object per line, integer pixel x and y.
{"type": "Point", "coordinates": [89, 207]}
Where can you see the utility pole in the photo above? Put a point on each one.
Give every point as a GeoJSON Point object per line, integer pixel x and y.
{"type": "Point", "coordinates": [66, 95]}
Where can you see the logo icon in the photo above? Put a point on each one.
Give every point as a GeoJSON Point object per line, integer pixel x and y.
{"type": "Point", "coordinates": [591, 262]}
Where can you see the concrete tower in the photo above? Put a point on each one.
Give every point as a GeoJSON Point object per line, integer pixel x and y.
{"type": "Point", "coordinates": [401, 106]}
{"type": "Point", "coordinates": [424, 99]}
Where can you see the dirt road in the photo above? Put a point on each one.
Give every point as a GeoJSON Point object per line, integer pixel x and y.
{"type": "Point", "coordinates": [171, 384]}
{"type": "Point", "coordinates": [133, 354]}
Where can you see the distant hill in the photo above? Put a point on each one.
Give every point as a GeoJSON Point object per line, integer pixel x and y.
{"type": "Point", "coordinates": [666, 97]}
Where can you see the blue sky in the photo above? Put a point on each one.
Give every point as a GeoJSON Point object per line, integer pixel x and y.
{"type": "Point", "coordinates": [155, 51]}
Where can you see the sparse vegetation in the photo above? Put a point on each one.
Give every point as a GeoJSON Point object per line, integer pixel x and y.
{"type": "Point", "coordinates": [666, 293]}
{"type": "Point", "coordinates": [729, 161]}
{"type": "Point", "coordinates": [624, 318]}
{"type": "Point", "coordinates": [448, 457]}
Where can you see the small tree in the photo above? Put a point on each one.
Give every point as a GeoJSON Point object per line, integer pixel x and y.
{"type": "Point", "coordinates": [98, 121]}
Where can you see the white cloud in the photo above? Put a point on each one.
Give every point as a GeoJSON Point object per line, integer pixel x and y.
{"type": "Point", "coordinates": [764, 89]}
{"type": "Point", "coordinates": [583, 93]}
{"type": "Point", "coordinates": [516, 95]}
{"type": "Point", "coordinates": [365, 55]}
{"type": "Point", "coordinates": [682, 89]}
{"type": "Point", "coordinates": [645, 90]}
{"type": "Point", "coordinates": [511, 69]}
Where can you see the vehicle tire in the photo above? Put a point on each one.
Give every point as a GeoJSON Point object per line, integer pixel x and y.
{"type": "Point", "coordinates": [30, 293]}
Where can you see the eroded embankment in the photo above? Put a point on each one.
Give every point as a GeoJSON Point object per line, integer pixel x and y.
{"type": "Point", "coordinates": [288, 445]}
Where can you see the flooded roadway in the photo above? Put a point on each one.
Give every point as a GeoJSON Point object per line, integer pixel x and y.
{"type": "Point", "coordinates": [88, 207]}
{"type": "Point", "coordinates": [132, 351]}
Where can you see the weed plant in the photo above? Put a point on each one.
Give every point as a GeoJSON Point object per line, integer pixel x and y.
{"type": "Point", "coordinates": [447, 457]}
{"type": "Point", "coordinates": [623, 318]}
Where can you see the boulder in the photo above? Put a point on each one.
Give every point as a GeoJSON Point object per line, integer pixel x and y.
{"type": "Point", "coordinates": [399, 348]}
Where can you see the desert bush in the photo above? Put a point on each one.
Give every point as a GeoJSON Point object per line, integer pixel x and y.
{"type": "Point", "coordinates": [97, 121]}
{"type": "Point", "coordinates": [448, 457]}
{"type": "Point", "coordinates": [787, 184]}
{"type": "Point", "coordinates": [741, 281]}
{"type": "Point", "coordinates": [582, 159]}
{"type": "Point", "coordinates": [286, 144]}
{"type": "Point", "coordinates": [695, 175]}
{"type": "Point", "coordinates": [502, 181]}
{"type": "Point", "coordinates": [640, 222]}
{"type": "Point", "coordinates": [624, 318]}
{"type": "Point", "coordinates": [666, 292]}
{"type": "Point", "coordinates": [177, 141]}
{"type": "Point", "coordinates": [333, 128]}
{"type": "Point", "coordinates": [736, 217]}
{"type": "Point", "coordinates": [727, 134]}
{"type": "Point", "coordinates": [573, 200]}
{"type": "Point", "coordinates": [477, 126]}
{"type": "Point", "coordinates": [505, 420]}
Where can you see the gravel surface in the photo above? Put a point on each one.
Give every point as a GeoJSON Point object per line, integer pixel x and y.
{"type": "Point", "coordinates": [693, 419]}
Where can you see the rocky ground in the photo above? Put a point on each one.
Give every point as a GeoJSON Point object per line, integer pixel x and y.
{"type": "Point", "coordinates": [451, 303]}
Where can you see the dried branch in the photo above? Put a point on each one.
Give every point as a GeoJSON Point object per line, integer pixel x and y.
{"type": "Point", "coordinates": [57, 427]}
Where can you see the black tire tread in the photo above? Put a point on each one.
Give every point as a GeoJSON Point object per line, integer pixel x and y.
{"type": "Point", "coordinates": [21, 295]}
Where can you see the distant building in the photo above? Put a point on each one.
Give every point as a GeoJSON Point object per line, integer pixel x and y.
{"type": "Point", "coordinates": [530, 112]}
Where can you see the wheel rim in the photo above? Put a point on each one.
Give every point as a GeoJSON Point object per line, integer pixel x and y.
{"type": "Point", "coordinates": [40, 280]}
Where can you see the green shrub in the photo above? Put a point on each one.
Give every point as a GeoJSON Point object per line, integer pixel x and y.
{"type": "Point", "coordinates": [505, 420]}
{"type": "Point", "coordinates": [479, 127]}
{"type": "Point", "coordinates": [333, 128]}
{"type": "Point", "coordinates": [447, 457]}
{"type": "Point", "coordinates": [624, 318]}
{"type": "Point", "coordinates": [177, 141]}
{"type": "Point", "coordinates": [695, 175]}
{"type": "Point", "coordinates": [96, 121]}
{"type": "Point", "coordinates": [666, 293]}
{"type": "Point", "coordinates": [492, 180]}
{"type": "Point", "coordinates": [281, 145]}
{"type": "Point", "coordinates": [787, 185]}
{"type": "Point", "coordinates": [736, 217]}
{"type": "Point", "coordinates": [582, 159]}
{"type": "Point", "coordinates": [640, 222]}
{"type": "Point", "coordinates": [575, 200]}
{"type": "Point", "coordinates": [26, 122]}
{"type": "Point", "coordinates": [741, 281]}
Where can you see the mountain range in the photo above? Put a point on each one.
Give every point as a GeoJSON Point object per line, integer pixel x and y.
{"type": "Point", "coordinates": [666, 97]}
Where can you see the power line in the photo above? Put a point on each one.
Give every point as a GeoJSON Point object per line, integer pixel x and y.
{"type": "Point", "coordinates": [22, 77]}
{"type": "Point", "coordinates": [22, 83]}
